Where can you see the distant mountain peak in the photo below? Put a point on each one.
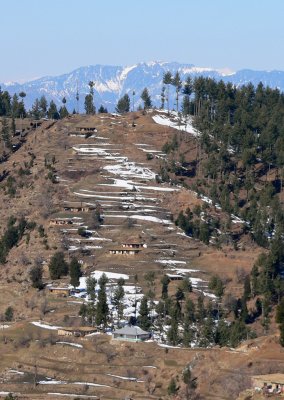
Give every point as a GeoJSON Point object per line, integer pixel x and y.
{"type": "Point", "coordinates": [112, 81]}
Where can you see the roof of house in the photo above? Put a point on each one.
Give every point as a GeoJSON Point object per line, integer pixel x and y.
{"type": "Point", "coordinates": [130, 330]}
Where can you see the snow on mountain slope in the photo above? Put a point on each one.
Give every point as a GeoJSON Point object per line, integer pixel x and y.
{"type": "Point", "coordinates": [111, 82]}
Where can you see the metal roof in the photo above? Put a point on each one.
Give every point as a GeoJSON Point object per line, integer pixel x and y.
{"type": "Point", "coordinates": [130, 330]}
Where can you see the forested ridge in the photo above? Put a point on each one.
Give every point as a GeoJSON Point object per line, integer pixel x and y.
{"type": "Point", "coordinates": [238, 164]}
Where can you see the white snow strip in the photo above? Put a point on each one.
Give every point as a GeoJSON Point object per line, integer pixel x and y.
{"type": "Point", "coordinates": [130, 169]}
{"type": "Point", "coordinates": [40, 324]}
{"type": "Point", "coordinates": [126, 378]}
{"type": "Point", "coordinates": [3, 326]}
{"type": "Point", "coordinates": [170, 262]}
{"type": "Point", "coordinates": [14, 371]}
{"type": "Point", "coordinates": [52, 382]}
{"type": "Point", "coordinates": [151, 219]}
{"type": "Point", "coordinates": [90, 384]}
{"type": "Point", "coordinates": [97, 275]}
{"type": "Point", "coordinates": [168, 346]}
{"type": "Point", "coordinates": [71, 344]}
{"type": "Point", "coordinates": [184, 270]}
{"type": "Point", "coordinates": [81, 396]}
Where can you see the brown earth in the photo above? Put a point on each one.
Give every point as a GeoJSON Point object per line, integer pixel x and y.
{"type": "Point", "coordinates": [221, 373]}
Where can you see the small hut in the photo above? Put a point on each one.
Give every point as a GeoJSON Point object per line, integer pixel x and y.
{"type": "Point", "coordinates": [271, 383]}
{"type": "Point", "coordinates": [124, 251]}
{"type": "Point", "coordinates": [134, 244]}
{"type": "Point", "coordinates": [60, 221]}
{"type": "Point", "coordinates": [77, 207]}
{"type": "Point", "coordinates": [131, 333]}
{"type": "Point", "coordinates": [175, 277]}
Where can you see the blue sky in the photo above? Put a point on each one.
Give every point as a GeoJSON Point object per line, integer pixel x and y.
{"type": "Point", "coordinates": [56, 36]}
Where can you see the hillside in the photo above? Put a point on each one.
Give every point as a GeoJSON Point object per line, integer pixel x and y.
{"type": "Point", "coordinates": [86, 185]}
{"type": "Point", "coordinates": [111, 82]}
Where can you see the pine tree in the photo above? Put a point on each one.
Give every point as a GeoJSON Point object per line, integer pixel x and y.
{"type": "Point", "coordinates": [35, 274]}
{"type": "Point", "coordinates": [36, 109]}
{"type": "Point", "coordinates": [89, 100]}
{"type": "Point", "coordinates": [91, 283]}
{"type": "Point", "coordinates": [22, 110]}
{"type": "Point", "coordinates": [9, 314]}
{"type": "Point", "coordinates": [146, 99]}
{"type": "Point", "coordinates": [57, 266]}
{"type": "Point", "coordinates": [123, 104]}
{"type": "Point", "coordinates": [15, 106]}
{"type": "Point", "coordinates": [144, 319]}
{"type": "Point", "coordinates": [177, 83]}
{"type": "Point", "coordinates": [5, 103]}
{"type": "Point", "coordinates": [222, 334]}
{"type": "Point", "coordinates": [89, 105]}
{"type": "Point", "coordinates": [13, 127]}
{"type": "Point", "coordinates": [43, 106]}
{"type": "Point", "coordinates": [172, 388]}
{"type": "Point", "coordinates": [102, 110]}
{"type": "Point", "coordinates": [102, 309]}
{"type": "Point", "coordinates": [75, 272]}
{"type": "Point", "coordinates": [160, 310]}
{"type": "Point", "coordinates": [188, 88]}
{"type": "Point", "coordinates": [118, 301]}
{"type": "Point", "coordinates": [163, 96]}
{"type": "Point", "coordinates": [5, 134]}
{"type": "Point", "coordinates": [186, 106]}
{"type": "Point", "coordinates": [165, 284]}
{"type": "Point", "coordinates": [189, 310]}
{"type": "Point", "coordinates": [52, 111]}
{"type": "Point", "coordinates": [63, 112]}
{"type": "Point", "coordinates": [167, 80]}
{"type": "Point", "coordinates": [201, 312]}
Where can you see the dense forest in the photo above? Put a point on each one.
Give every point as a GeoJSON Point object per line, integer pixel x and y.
{"type": "Point", "coordinates": [239, 165]}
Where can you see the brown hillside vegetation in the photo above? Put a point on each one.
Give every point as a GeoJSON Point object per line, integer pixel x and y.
{"type": "Point", "coordinates": [65, 172]}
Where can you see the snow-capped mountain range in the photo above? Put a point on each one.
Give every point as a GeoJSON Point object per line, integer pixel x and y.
{"type": "Point", "coordinates": [111, 82]}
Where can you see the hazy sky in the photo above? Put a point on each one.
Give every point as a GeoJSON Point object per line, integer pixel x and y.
{"type": "Point", "coordinates": [49, 37]}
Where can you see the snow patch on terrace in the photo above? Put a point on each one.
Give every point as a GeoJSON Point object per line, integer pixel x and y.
{"type": "Point", "coordinates": [151, 219]}
{"type": "Point", "coordinates": [130, 169]}
{"type": "Point", "coordinates": [126, 378]}
{"type": "Point", "coordinates": [40, 324]}
{"type": "Point", "coordinates": [91, 384]}
{"type": "Point", "coordinates": [127, 184]}
{"type": "Point", "coordinates": [170, 262]}
{"type": "Point", "coordinates": [50, 381]}
{"type": "Point", "coordinates": [71, 344]}
{"type": "Point", "coordinates": [81, 396]}
{"type": "Point", "coordinates": [172, 121]}
{"type": "Point", "coordinates": [97, 275]}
